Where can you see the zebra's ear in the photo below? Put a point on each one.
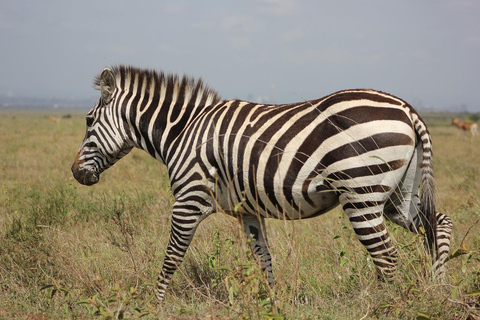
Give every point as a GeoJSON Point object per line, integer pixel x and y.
{"type": "Point", "coordinates": [107, 85]}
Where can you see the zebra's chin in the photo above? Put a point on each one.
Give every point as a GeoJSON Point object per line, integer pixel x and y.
{"type": "Point", "coordinates": [86, 177]}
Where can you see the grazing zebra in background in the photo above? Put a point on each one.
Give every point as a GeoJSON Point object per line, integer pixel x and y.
{"type": "Point", "coordinates": [366, 150]}
{"type": "Point", "coordinates": [465, 126]}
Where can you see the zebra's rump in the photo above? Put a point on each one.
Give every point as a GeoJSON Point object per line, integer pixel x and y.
{"type": "Point", "coordinates": [294, 160]}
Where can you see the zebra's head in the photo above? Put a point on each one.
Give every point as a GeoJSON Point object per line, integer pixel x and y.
{"type": "Point", "coordinates": [105, 141]}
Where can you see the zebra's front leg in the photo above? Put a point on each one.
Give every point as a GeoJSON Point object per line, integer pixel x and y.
{"type": "Point", "coordinates": [183, 226]}
{"type": "Point", "coordinates": [255, 231]}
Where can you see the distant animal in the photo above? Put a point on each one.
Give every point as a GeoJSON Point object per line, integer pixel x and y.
{"type": "Point", "coordinates": [466, 126]}
{"type": "Point", "coordinates": [366, 150]}
{"type": "Point", "coordinates": [53, 119]}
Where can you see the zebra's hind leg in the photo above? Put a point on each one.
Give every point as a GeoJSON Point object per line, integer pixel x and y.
{"type": "Point", "coordinates": [443, 234]}
{"type": "Point", "coordinates": [367, 221]}
{"type": "Point", "coordinates": [403, 209]}
{"type": "Point", "coordinates": [255, 230]}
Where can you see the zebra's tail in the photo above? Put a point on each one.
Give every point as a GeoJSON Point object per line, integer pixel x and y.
{"type": "Point", "coordinates": [427, 186]}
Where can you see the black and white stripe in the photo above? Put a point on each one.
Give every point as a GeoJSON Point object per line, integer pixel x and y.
{"type": "Point", "coordinates": [366, 150]}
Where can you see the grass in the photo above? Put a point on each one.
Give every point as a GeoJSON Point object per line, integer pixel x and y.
{"type": "Point", "coordinates": [70, 251]}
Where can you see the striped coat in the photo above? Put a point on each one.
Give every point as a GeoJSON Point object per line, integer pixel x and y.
{"type": "Point", "coordinates": [366, 150]}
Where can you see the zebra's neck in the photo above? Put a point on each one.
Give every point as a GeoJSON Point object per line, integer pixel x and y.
{"type": "Point", "coordinates": [159, 106]}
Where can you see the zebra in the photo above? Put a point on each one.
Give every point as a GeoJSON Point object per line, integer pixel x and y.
{"type": "Point", "coordinates": [365, 150]}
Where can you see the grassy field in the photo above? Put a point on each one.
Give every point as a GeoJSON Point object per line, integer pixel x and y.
{"type": "Point", "coordinates": [70, 251]}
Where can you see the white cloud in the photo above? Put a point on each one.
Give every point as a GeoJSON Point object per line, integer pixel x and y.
{"type": "Point", "coordinates": [461, 4]}
{"type": "Point", "coordinates": [331, 55]}
{"type": "Point", "coordinates": [416, 54]}
{"type": "Point", "coordinates": [360, 35]}
{"type": "Point", "coordinates": [281, 7]}
{"type": "Point", "coordinates": [375, 57]}
{"type": "Point", "coordinates": [293, 35]}
{"type": "Point", "coordinates": [473, 41]}
{"type": "Point", "coordinates": [166, 48]}
{"type": "Point", "coordinates": [240, 23]}
{"type": "Point", "coordinates": [175, 7]}
{"type": "Point", "coordinates": [240, 42]}
{"type": "Point", "coordinates": [204, 25]}
{"type": "Point", "coordinates": [118, 49]}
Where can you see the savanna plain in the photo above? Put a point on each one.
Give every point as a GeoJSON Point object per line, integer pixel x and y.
{"type": "Point", "coordinates": [71, 251]}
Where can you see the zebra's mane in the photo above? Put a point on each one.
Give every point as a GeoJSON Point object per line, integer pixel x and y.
{"type": "Point", "coordinates": [176, 87]}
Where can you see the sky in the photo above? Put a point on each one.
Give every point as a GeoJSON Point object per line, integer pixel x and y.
{"type": "Point", "coordinates": [425, 52]}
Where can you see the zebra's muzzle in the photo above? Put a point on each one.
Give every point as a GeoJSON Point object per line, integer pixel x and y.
{"type": "Point", "coordinates": [81, 174]}
{"type": "Point", "coordinates": [85, 177]}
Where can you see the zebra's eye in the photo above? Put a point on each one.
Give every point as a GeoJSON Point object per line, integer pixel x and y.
{"type": "Point", "coordinates": [89, 121]}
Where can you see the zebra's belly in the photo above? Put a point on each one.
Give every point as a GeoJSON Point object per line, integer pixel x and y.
{"type": "Point", "coordinates": [302, 205]}
{"type": "Point", "coordinates": [318, 203]}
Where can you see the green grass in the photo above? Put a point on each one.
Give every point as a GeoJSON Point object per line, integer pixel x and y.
{"type": "Point", "coordinates": [70, 251]}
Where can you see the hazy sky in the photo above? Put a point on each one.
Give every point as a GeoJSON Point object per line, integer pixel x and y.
{"type": "Point", "coordinates": [426, 52]}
